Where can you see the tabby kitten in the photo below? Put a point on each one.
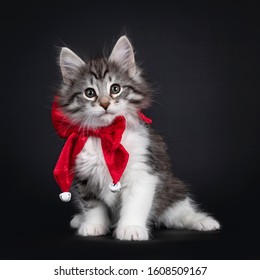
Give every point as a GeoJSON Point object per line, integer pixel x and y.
{"type": "Point", "coordinates": [92, 94]}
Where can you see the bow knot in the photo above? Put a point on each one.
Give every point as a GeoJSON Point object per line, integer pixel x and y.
{"type": "Point", "coordinates": [111, 135]}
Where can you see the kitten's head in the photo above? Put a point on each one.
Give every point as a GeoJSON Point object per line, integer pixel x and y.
{"type": "Point", "coordinates": [96, 91]}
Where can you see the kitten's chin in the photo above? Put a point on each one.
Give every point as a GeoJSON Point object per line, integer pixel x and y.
{"type": "Point", "coordinates": [101, 120]}
{"type": "Point", "coordinates": [107, 118]}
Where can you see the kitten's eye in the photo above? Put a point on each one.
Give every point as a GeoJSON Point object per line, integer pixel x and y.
{"type": "Point", "coordinates": [90, 93]}
{"type": "Point", "coordinates": [115, 89]}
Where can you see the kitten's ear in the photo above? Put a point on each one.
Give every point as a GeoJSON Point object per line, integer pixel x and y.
{"type": "Point", "coordinates": [123, 55]}
{"type": "Point", "coordinates": [70, 64]}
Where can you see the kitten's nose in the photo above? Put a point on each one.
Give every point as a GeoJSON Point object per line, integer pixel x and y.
{"type": "Point", "coordinates": [104, 102]}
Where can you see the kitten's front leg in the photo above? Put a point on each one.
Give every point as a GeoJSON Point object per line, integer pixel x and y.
{"type": "Point", "coordinates": [93, 221]}
{"type": "Point", "coordinates": [137, 200]}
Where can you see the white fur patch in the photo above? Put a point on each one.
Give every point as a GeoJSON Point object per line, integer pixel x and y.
{"type": "Point", "coordinates": [87, 229]}
{"type": "Point", "coordinates": [137, 197]}
{"type": "Point", "coordinates": [184, 214]}
{"type": "Point", "coordinates": [132, 233]}
{"type": "Point", "coordinates": [76, 221]}
{"type": "Point", "coordinates": [93, 222]}
{"type": "Point", "coordinates": [134, 96]}
{"type": "Point", "coordinates": [137, 201]}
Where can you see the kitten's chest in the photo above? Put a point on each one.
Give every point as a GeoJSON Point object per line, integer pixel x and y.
{"type": "Point", "coordinates": [91, 165]}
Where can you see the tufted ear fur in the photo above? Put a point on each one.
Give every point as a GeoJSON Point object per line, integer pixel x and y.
{"type": "Point", "coordinates": [70, 65]}
{"type": "Point", "coordinates": [123, 55]}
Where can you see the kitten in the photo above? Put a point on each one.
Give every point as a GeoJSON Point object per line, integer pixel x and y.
{"type": "Point", "coordinates": [92, 95]}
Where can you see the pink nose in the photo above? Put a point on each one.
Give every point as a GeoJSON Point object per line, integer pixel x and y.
{"type": "Point", "coordinates": [104, 102]}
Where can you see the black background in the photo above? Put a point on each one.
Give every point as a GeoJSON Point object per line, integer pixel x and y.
{"type": "Point", "coordinates": [203, 60]}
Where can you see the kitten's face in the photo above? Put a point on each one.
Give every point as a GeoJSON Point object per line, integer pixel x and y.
{"type": "Point", "coordinates": [93, 93]}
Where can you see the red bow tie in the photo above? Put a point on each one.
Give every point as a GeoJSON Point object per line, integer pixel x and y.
{"type": "Point", "coordinates": [115, 155]}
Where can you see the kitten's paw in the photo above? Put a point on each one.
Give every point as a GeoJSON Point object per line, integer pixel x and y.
{"type": "Point", "coordinates": [132, 233]}
{"type": "Point", "coordinates": [86, 229]}
{"type": "Point", "coordinates": [76, 221]}
{"type": "Point", "coordinates": [206, 223]}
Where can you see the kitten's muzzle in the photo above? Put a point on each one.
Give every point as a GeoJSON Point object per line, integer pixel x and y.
{"type": "Point", "coordinates": [104, 102]}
